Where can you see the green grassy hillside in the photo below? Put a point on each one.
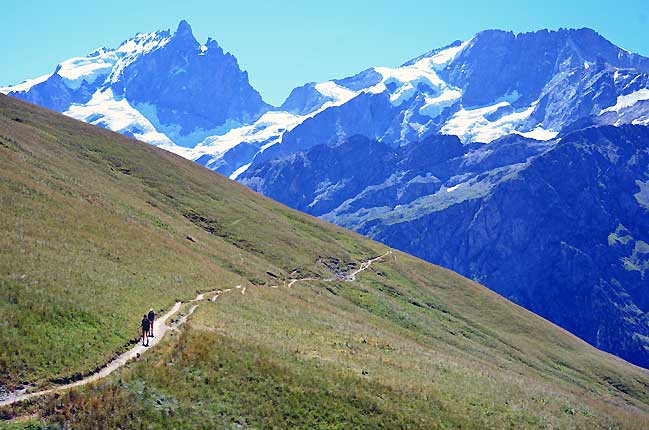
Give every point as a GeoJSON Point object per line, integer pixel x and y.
{"type": "Point", "coordinates": [96, 228]}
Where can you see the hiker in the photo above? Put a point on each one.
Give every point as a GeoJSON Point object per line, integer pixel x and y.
{"type": "Point", "coordinates": [151, 317]}
{"type": "Point", "coordinates": [146, 324]}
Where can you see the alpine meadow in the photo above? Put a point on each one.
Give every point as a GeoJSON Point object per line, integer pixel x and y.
{"type": "Point", "coordinates": [106, 224]}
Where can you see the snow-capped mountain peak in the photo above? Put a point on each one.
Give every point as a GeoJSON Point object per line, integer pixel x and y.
{"type": "Point", "coordinates": [163, 87]}
{"type": "Point", "coordinates": [99, 63]}
{"type": "Point", "coordinates": [131, 49]}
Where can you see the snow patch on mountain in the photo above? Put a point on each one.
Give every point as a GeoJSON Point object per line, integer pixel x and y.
{"type": "Point", "coordinates": [479, 124]}
{"type": "Point", "coordinates": [239, 171]}
{"type": "Point", "coordinates": [454, 187]}
{"type": "Point", "coordinates": [338, 94]}
{"type": "Point", "coordinates": [421, 76]}
{"type": "Point", "coordinates": [628, 100]}
{"type": "Point", "coordinates": [79, 69]}
{"type": "Point", "coordinates": [442, 58]}
{"type": "Point", "coordinates": [116, 114]}
{"type": "Point", "coordinates": [265, 131]}
{"type": "Point", "coordinates": [433, 106]}
{"type": "Point", "coordinates": [25, 85]}
{"type": "Point", "coordinates": [539, 133]}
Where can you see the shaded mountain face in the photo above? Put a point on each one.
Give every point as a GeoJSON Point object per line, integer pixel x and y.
{"type": "Point", "coordinates": [166, 89]}
{"type": "Point", "coordinates": [560, 227]}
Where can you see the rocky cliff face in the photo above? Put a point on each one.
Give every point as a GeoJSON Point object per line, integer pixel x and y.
{"type": "Point", "coordinates": [192, 86]}
{"type": "Point", "coordinates": [560, 227]}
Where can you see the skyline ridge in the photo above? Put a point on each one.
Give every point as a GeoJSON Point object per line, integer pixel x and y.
{"type": "Point", "coordinates": [284, 45]}
{"type": "Point", "coordinates": [185, 26]}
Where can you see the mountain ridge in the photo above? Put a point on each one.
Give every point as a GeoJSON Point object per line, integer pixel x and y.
{"type": "Point", "coordinates": [535, 107]}
{"type": "Point", "coordinates": [165, 88]}
{"type": "Point", "coordinates": [231, 146]}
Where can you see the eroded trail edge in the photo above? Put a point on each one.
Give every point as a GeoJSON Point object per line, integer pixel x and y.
{"type": "Point", "coordinates": [161, 328]}
{"type": "Point", "coordinates": [349, 277]}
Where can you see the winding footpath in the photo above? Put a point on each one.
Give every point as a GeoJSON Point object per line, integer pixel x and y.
{"type": "Point", "coordinates": [350, 277]}
{"type": "Point", "coordinates": [161, 328]}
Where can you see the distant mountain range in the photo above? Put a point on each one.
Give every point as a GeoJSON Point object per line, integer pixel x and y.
{"type": "Point", "coordinates": [482, 156]}
{"type": "Point", "coordinates": [193, 99]}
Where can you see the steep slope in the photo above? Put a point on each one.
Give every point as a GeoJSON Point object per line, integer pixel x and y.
{"type": "Point", "coordinates": [97, 227]}
{"type": "Point", "coordinates": [166, 89]}
{"type": "Point", "coordinates": [559, 227]}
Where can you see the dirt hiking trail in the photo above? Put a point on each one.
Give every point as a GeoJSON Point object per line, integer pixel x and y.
{"type": "Point", "coordinates": [161, 328]}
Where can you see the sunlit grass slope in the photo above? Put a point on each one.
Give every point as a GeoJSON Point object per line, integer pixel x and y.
{"type": "Point", "coordinates": [96, 228]}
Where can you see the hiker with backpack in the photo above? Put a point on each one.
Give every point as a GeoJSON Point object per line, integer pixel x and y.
{"type": "Point", "coordinates": [151, 318]}
{"type": "Point", "coordinates": [146, 325]}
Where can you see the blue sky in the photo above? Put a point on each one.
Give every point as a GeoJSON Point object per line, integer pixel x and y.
{"type": "Point", "coordinates": [284, 44]}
